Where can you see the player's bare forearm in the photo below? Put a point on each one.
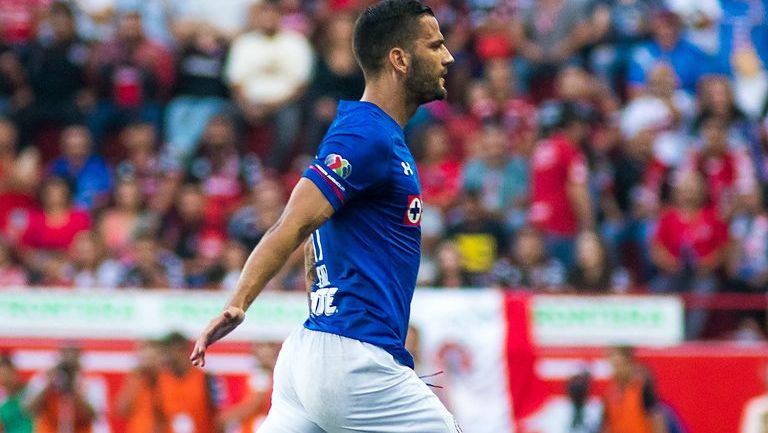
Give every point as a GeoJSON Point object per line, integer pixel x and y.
{"type": "Point", "coordinates": [306, 210]}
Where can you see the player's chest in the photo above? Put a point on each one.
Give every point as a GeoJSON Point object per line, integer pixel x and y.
{"type": "Point", "coordinates": [404, 190]}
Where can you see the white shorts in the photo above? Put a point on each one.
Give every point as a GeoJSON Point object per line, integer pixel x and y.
{"type": "Point", "coordinates": [325, 383]}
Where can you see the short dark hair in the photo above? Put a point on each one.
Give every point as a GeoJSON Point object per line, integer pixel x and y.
{"type": "Point", "coordinates": [383, 26]}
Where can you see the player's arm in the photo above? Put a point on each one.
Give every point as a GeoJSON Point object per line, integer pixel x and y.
{"type": "Point", "coordinates": [306, 210]}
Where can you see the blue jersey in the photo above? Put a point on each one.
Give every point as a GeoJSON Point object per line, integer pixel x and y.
{"type": "Point", "coordinates": [367, 254]}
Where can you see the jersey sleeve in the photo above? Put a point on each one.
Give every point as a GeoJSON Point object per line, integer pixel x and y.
{"type": "Point", "coordinates": [349, 164]}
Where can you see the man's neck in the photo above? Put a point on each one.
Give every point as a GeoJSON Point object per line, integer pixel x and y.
{"type": "Point", "coordinates": [390, 99]}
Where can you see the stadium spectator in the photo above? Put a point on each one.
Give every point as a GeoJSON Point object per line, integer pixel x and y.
{"type": "Point", "coordinates": [549, 33]}
{"type": "Point", "coordinates": [439, 170]}
{"type": "Point", "coordinates": [577, 412]}
{"type": "Point", "coordinates": [233, 259]}
{"type": "Point", "coordinates": [501, 176]}
{"type": "Point", "coordinates": [560, 200]}
{"type": "Point", "coordinates": [701, 20]}
{"type": "Point", "coordinates": [200, 92]}
{"type": "Point", "coordinates": [728, 172]}
{"type": "Point", "coordinates": [55, 224]}
{"type": "Point", "coordinates": [268, 70]}
{"type": "Point", "coordinates": [743, 27]}
{"type": "Point", "coordinates": [595, 271]}
{"type": "Point", "coordinates": [689, 246]}
{"type": "Point", "coordinates": [223, 173]}
{"type": "Point", "coordinates": [124, 219]}
{"type": "Point", "coordinates": [479, 237]}
{"type": "Point", "coordinates": [336, 77]}
{"type": "Point", "coordinates": [249, 413]}
{"type": "Point", "coordinates": [152, 267]}
{"type": "Point", "coordinates": [255, 217]}
{"type": "Point", "coordinates": [527, 266]}
{"type": "Point", "coordinates": [667, 46]}
{"type": "Point", "coordinates": [11, 273]}
{"type": "Point", "coordinates": [630, 402]}
{"type": "Point", "coordinates": [187, 395]}
{"type": "Point", "coordinates": [17, 190]}
{"type": "Point", "coordinates": [158, 178]}
{"type": "Point", "coordinates": [65, 399]}
{"type": "Point", "coordinates": [450, 272]}
{"type": "Point", "coordinates": [56, 69]}
{"type": "Point", "coordinates": [747, 263]}
{"type": "Point", "coordinates": [138, 401]}
{"type": "Point", "coordinates": [14, 417]}
{"type": "Point", "coordinates": [754, 416]}
{"type": "Point", "coordinates": [134, 74]}
{"type": "Point", "coordinates": [85, 170]}
{"type": "Point", "coordinates": [92, 267]}
{"type": "Point", "coordinates": [716, 99]}
{"type": "Point", "coordinates": [750, 83]}
{"type": "Point", "coordinates": [619, 26]}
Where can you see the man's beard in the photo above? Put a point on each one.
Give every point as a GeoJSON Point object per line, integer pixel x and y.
{"type": "Point", "coordinates": [422, 86]}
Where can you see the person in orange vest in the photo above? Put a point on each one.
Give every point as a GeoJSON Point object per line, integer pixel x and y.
{"type": "Point", "coordinates": [138, 401]}
{"type": "Point", "coordinates": [187, 395]}
{"type": "Point", "coordinates": [253, 408]}
{"type": "Point", "coordinates": [630, 402]}
{"type": "Point", "coordinates": [60, 404]}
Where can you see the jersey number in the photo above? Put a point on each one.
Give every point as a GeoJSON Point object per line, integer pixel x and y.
{"type": "Point", "coordinates": [322, 301]}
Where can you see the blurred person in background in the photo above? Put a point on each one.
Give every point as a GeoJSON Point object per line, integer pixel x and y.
{"type": "Point", "coordinates": [92, 266]}
{"type": "Point", "coordinates": [65, 400]}
{"type": "Point", "coordinates": [560, 199]}
{"type": "Point", "coordinates": [501, 178]}
{"type": "Point", "coordinates": [188, 396]}
{"type": "Point", "coordinates": [11, 272]}
{"type": "Point", "coordinates": [595, 271]}
{"type": "Point", "coordinates": [439, 168]}
{"type": "Point", "coordinates": [134, 74]}
{"type": "Point", "coordinates": [479, 237]}
{"type": "Point", "coordinates": [223, 172]}
{"type": "Point", "coordinates": [527, 266]}
{"type": "Point", "coordinates": [689, 246]}
{"type": "Point", "coordinates": [750, 83]}
{"type": "Point", "coordinates": [14, 417]}
{"type": "Point", "coordinates": [432, 233]}
{"type": "Point", "coordinates": [754, 416]}
{"type": "Point", "coordinates": [549, 33]}
{"type": "Point", "coordinates": [630, 402]}
{"type": "Point", "coordinates": [157, 177]}
{"type": "Point", "coordinates": [667, 46]}
{"type": "Point", "coordinates": [747, 262]}
{"type": "Point", "coordinates": [138, 401]}
{"type": "Point", "coordinates": [576, 412]}
{"type": "Point", "coordinates": [258, 214]}
{"type": "Point", "coordinates": [200, 91]}
{"type": "Point", "coordinates": [125, 218]}
{"type": "Point", "coordinates": [233, 260]}
{"type": "Point", "coordinates": [152, 267]}
{"type": "Point", "coordinates": [82, 168]}
{"type": "Point", "coordinates": [57, 75]}
{"type": "Point", "coordinates": [268, 70]}
{"type": "Point", "coordinates": [715, 99]}
{"type": "Point", "coordinates": [249, 413]}
{"type": "Point", "coordinates": [19, 20]}
{"type": "Point", "coordinates": [183, 226]}
{"type": "Point", "coordinates": [20, 173]}
{"type": "Point", "coordinates": [619, 26]}
{"type": "Point", "coordinates": [336, 77]}
{"type": "Point", "coordinates": [727, 171]}
{"type": "Point", "coordinates": [450, 272]}
{"type": "Point", "coordinates": [54, 226]}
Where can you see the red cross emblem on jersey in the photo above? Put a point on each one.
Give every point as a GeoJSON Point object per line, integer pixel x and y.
{"type": "Point", "coordinates": [413, 211]}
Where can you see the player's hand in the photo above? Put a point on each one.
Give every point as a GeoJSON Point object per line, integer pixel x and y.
{"type": "Point", "coordinates": [219, 327]}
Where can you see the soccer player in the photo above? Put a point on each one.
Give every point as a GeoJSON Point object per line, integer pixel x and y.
{"type": "Point", "coordinates": [346, 369]}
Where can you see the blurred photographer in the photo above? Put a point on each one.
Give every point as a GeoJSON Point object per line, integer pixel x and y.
{"type": "Point", "coordinates": [58, 402]}
{"type": "Point", "coordinates": [138, 401]}
{"type": "Point", "coordinates": [13, 417]}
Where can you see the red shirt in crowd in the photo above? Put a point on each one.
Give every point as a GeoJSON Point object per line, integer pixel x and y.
{"type": "Point", "coordinates": [15, 209]}
{"type": "Point", "coordinates": [44, 234]}
{"type": "Point", "coordinates": [18, 19]}
{"type": "Point", "coordinates": [700, 234]}
{"type": "Point", "coordinates": [440, 183]}
{"type": "Point", "coordinates": [725, 174]}
{"type": "Point", "coordinates": [556, 162]}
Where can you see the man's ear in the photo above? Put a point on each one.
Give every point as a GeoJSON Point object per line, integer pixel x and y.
{"type": "Point", "coordinates": [399, 59]}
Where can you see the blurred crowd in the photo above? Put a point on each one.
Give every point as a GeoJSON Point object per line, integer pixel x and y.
{"type": "Point", "coordinates": [585, 145]}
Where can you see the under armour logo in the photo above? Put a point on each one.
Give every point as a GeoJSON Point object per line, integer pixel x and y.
{"type": "Point", "coordinates": [407, 168]}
